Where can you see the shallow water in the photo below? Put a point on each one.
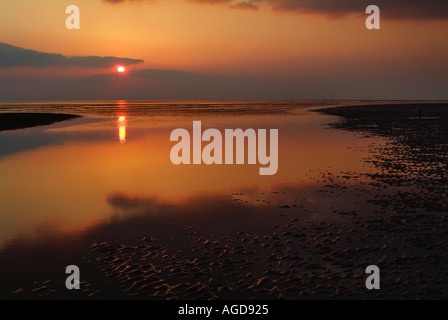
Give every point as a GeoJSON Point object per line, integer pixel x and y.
{"type": "Point", "coordinates": [61, 176]}
{"type": "Point", "coordinates": [108, 175]}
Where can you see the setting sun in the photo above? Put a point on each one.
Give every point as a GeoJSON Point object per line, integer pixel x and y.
{"type": "Point", "coordinates": [121, 69]}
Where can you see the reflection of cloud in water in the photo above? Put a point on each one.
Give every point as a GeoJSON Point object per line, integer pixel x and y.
{"type": "Point", "coordinates": [173, 224]}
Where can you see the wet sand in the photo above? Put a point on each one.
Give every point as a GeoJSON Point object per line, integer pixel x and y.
{"type": "Point", "coordinates": [296, 243]}
{"type": "Point", "coordinates": [13, 121]}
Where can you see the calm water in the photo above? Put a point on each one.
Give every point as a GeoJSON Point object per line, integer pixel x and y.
{"type": "Point", "coordinates": [87, 179]}
{"type": "Point", "coordinates": [61, 176]}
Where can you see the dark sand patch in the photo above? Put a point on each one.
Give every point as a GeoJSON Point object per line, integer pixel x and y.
{"type": "Point", "coordinates": [13, 121]}
{"type": "Point", "coordinates": [416, 157]}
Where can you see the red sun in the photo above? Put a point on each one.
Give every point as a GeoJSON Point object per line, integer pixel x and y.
{"type": "Point", "coordinates": [121, 69]}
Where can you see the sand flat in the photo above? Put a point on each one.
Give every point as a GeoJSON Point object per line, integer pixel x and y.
{"type": "Point", "coordinates": [14, 121]}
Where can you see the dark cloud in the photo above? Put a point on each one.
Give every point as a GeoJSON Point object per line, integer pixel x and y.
{"type": "Point", "coordinates": [212, 1]}
{"type": "Point", "coordinates": [121, 1]}
{"type": "Point", "coordinates": [395, 9]}
{"type": "Point", "coordinates": [390, 9]}
{"type": "Point", "coordinates": [245, 5]}
{"type": "Point", "coordinates": [15, 56]}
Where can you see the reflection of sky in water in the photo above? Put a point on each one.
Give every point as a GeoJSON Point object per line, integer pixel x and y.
{"type": "Point", "coordinates": [65, 176]}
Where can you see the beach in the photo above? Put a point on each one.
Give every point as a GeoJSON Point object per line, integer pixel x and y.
{"type": "Point", "coordinates": [310, 234]}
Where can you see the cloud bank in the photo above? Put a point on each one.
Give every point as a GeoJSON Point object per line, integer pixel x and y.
{"type": "Point", "coordinates": [391, 9]}
{"type": "Point", "coordinates": [11, 56]}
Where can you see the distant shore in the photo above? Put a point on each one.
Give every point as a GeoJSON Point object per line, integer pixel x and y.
{"type": "Point", "coordinates": [388, 110]}
{"type": "Point", "coordinates": [13, 121]}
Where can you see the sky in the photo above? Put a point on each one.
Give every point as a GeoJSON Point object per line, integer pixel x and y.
{"type": "Point", "coordinates": [223, 49]}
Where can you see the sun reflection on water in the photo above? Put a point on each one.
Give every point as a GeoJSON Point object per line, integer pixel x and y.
{"type": "Point", "coordinates": [122, 129]}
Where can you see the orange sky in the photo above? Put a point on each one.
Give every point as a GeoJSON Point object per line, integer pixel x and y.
{"type": "Point", "coordinates": [214, 39]}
